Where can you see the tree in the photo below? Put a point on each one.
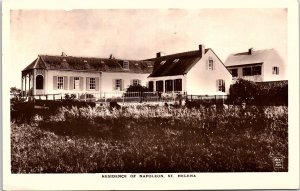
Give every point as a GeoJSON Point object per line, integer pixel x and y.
{"type": "Point", "coordinates": [137, 88]}
{"type": "Point", "coordinates": [14, 90]}
{"type": "Point", "coordinates": [243, 91]}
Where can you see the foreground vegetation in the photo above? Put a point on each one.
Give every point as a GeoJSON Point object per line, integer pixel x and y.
{"type": "Point", "coordinates": [151, 139]}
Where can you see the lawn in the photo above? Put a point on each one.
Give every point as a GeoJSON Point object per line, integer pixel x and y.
{"type": "Point", "coordinates": [151, 139]}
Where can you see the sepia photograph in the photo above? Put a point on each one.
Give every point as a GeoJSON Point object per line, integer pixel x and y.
{"type": "Point", "coordinates": [149, 93]}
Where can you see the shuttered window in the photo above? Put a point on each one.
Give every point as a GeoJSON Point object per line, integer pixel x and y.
{"type": "Point", "coordinates": [118, 84]}
{"type": "Point", "coordinates": [221, 85]}
{"type": "Point", "coordinates": [76, 83]}
{"type": "Point", "coordinates": [136, 82]}
{"type": "Point", "coordinates": [92, 83]}
{"type": "Point", "coordinates": [60, 82]}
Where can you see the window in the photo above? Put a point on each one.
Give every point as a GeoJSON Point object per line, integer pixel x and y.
{"type": "Point", "coordinates": [210, 64]}
{"type": "Point", "coordinates": [221, 85]}
{"type": "Point", "coordinates": [150, 86]}
{"type": "Point", "coordinates": [125, 65]}
{"type": "Point", "coordinates": [76, 83]}
{"type": "Point", "coordinates": [256, 70]}
{"type": "Point", "coordinates": [234, 72]}
{"type": "Point", "coordinates": [178, 85]}
{"type": "Point", "coordinates": [160, 86]}
{"type": "Point", "coordinates": [39, 82]}
{"type": "Point", "coordinates": [92, 83]}
{"type": "Point", "coordinates": [275, 70]}
{"type": "Point", "coordinates": [118, 84]}
{"type": "Point", "coordinates": [136, 82]}
{"type": "Point", "coordinates": [251, 71]}
{"type": "Point", "coordinates": [247, 71]}
{"type": "Point", "coordinates": [176, 60]}
{"type": "Point", "coordinates": [169, 85]}
{"type": "Point", "coordinates": [163, 62]}
{"type": "Point", "coordinates": [60, 82]}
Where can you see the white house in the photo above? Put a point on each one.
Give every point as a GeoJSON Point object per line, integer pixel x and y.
{"type": "Point", "coordinates": [49, 75]}
{"type": "Point", "coordinates": [198, 72]}
{"type": "Point", "coordinates": [256, 65]}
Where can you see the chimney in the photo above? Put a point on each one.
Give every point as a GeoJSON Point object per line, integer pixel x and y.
{"type": "Point", "coordinates": [250, 51]}
{"type": "Point", "coordinates": [63, 54]}
{"type": "Point", "coordinates": [158, 54]}
{"type": "Point", "coordinates": [201, 49]}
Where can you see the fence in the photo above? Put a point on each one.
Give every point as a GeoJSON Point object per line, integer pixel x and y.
{"type": "Point", "coordinates": [134, 97]}
{"type": "Point", "coordinates": [211, 99]}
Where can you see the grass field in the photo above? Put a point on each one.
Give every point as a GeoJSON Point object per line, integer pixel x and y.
{"type": "Point", "coordinates": [152, 139]}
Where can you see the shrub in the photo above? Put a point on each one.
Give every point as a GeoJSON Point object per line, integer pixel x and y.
{"type": "Point", "coordinates": [260, 93]}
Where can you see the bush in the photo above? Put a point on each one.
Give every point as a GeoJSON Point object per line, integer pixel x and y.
{"type": "Point", "coordinates": [24, 111]}
{"type": "Point", "coordinates": [137, 88]}
{"type": "Point", "coordinates": [260, 93]}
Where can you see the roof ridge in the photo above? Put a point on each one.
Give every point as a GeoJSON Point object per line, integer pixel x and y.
{"type": "Point", "coordinates": [193, 52]}
{"type": "Point", "coordinates": [260, 50]}
{"type": "Point", "coordinates": [83, 57]}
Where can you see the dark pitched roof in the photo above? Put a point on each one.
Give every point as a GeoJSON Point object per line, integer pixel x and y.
{"type": "Point", "coordinates": [244, 58]}
{"type": "Point", "coordinates": [175, 64]}
{"type": "Point", "coordinates": [89, 64]}
{"type": "Point", "coordinates": [35, 64]}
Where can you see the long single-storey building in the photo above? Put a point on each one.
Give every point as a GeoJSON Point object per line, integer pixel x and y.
{"type": "Point", "coordinates": [50, 75]}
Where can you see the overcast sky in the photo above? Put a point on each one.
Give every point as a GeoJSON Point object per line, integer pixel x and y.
{"type": "Point", "coordinates": [139, 34]}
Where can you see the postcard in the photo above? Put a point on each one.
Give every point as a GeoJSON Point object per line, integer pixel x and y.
{"type": "Point", "coordinates": [136, 95]}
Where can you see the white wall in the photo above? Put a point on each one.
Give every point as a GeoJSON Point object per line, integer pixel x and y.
{"type": "Point", "coordinates": [106, 84]}
{"type": "Point", "coordinates": [49, 81]}
{"type": "Point", "coordinates": [271, 61]}
{"type": "Point", "coordinates": [202, 81]}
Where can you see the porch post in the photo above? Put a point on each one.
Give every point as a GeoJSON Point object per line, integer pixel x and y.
{"type": "Point", "coordinates": [33, 82]}
{"type": "Point", "coordinates": [29, 83]}
{"type": "Point", "coordinates": [25, 85]}
{"type": "Point", "coordinates": [22, 86]}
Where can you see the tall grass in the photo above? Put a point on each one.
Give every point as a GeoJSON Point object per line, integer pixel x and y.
{"type": "Point", "coordinates": [152, 139]}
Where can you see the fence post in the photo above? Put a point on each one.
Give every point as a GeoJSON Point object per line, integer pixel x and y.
{"type": "Point", "coordinates": [216, 99]}
{"type": "Point", "coordinates": [191, 97]}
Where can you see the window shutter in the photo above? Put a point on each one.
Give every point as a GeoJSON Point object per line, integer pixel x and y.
{"type": "Point", "coordinates": [207, 62]}
{"type": "Point", "coordinates": [131, 82]}
{"type": "Point", "coordinates": [217, 85]}
{"type": "Point", "coordinates": [97, 84]}
{"type": "Point", "coordinates": [122, 84]}
{"type": "Point", "coordinates": [87, 83]}
{"type": "Point", "coordinates": [223, 85]}
{"type": "Point", "coordinates": [54, 82]}
{"type": "Point", "coordinates": [65, 82]}
{"type": "Point", "coordinates": [71, 83]}
{"type": "Point", "coordinates": [140, 83]}
{"type": "Point", "coordinates": [114, 84]}
{"type": "Point", "coordinates": [81, 83]}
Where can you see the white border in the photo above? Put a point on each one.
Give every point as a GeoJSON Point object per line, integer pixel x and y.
{"type": "Point", "coordinates": [275, 180]}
